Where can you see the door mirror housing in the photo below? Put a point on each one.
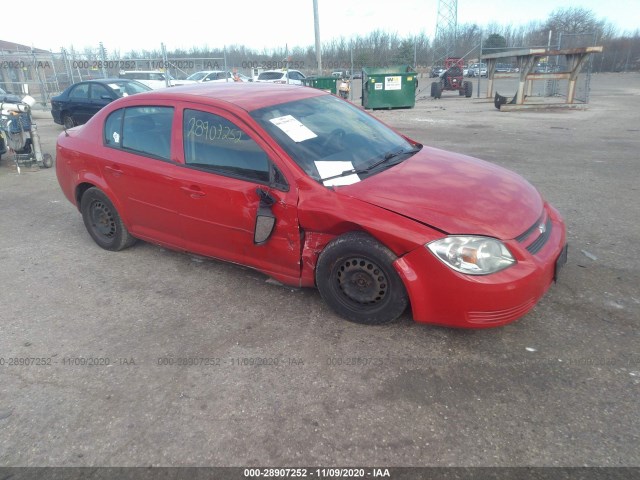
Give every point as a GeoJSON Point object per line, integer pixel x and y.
{"type": "Point", "coordinates": [265, 219]}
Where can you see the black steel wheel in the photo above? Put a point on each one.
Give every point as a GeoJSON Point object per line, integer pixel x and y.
{"type": "Point", "coordinates": [356, 278]}
{"type": "Point", "coordinates": [103, 221]}
{"type": "Point", "coordinates": [67, 121]}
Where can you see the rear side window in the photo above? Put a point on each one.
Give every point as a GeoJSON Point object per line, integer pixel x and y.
{"type": "Point", "coordinates": [215, 144]}
{"type": "Point", "coordinates": [113, 129]}
{"type": "Point", "coordinates": [99, 91]}
{"type": "Point", "coordinates": [143, 130]}
{"type": "Point", "coordinates": [80, 92]}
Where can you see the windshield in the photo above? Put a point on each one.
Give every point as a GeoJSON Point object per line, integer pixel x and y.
{"type": "Point", "coordinates": [270, 75]}
{"type": "Point", "coordinates": [124, 87]}
{"type": "Point", "coordinates": [197, 76]}
{"type": "Point", "coordinates": [329, 137]}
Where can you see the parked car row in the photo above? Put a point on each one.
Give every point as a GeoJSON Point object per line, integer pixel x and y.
{"type": "Point", "coordinates": [477, 70]}
{"type": "Point", "coordinates": [79, 102]}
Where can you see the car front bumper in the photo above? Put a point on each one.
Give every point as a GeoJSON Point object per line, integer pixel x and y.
{"type": "Point", "coordinates": [440, 295]}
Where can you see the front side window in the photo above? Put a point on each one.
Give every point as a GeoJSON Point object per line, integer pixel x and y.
{"type": "Point", "coordinates": [215, 144]}
{"type": "Point", "coordinates": [144, 130]}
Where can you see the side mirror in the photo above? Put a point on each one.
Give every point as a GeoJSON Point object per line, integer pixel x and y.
{"type": "Point", "coordinates": [265, 219]}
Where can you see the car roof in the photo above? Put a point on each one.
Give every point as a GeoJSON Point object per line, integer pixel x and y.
{"type": "Point", "coordinates": [107, 80]}
{"type": "Point", "coordinates": [245, 95]}
{"type": "Point", "coordinates": [141, 71]}
{"type": "Point", "coordinates": [280, 70]}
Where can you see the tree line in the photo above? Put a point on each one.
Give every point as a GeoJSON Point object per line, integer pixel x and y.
{"type": "Point", "coordinates": [565, 27]}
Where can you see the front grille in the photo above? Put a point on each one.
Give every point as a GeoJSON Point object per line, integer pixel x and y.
{"type": "Point", "coordinates": [522, 237]}
{"type": "Point", "coordinates": [539, 242]}
{"type": "Point", "coordinates": [536, 245]}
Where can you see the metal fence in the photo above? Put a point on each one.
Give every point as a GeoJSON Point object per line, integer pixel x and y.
{"type": "Point", "coordinates": [45, 75]}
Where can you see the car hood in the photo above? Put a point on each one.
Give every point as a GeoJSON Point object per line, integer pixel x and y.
{"type": "Point", "coordinates": [453, 193]}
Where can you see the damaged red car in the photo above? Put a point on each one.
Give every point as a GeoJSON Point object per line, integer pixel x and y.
{"type": "Point", "coordinates": [315, 192]}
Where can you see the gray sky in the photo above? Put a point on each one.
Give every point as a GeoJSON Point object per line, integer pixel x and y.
{"type": "Point", "coordinates": [266, 24]}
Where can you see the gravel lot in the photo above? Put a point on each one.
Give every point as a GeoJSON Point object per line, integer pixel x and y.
{"type": "Point", "coordinates": [560, 387]}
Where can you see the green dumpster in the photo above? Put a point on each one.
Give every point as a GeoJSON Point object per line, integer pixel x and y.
{"type": "Point", "coordinates": [328, 84]}
{"type": "Point", "coordinates": [389, 87]}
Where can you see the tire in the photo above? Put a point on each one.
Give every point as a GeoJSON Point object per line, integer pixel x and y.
{"type": "Point", "coordinates": [103, 221]}
{"type": "Point", "coordinates": [434, 89]}
{"type": "Point", "coordinates": [438, 90]}
{"type": "Point", "coordinates": [468, 89]}
{"type": "Point", "coordinates": [67, 121]}
{"type": "Point", "coordinates": [47, 160]}
{"type": "Point", "coordinates": [356, 278]}
{"type": "Point", "coordinates": [28, 143]}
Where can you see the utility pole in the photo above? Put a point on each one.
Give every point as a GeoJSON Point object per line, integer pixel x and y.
{"type": "Point", "coordinates": [316, 24]}
{"type": "Point", "coordinates": [446, 30]}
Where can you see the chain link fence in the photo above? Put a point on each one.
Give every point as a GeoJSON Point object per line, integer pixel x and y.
{"type": "Point", "coordinates": [45, 75]}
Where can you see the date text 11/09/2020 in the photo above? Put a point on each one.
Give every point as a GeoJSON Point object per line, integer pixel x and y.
{"type": "Point", "coordinates": [285, 472]}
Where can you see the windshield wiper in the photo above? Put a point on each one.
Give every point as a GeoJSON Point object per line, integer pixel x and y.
{"type": "Point", "coordinates": [387, 156]}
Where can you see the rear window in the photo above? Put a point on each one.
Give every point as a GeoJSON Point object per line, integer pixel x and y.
{"type": "Point", "coordinates": [132, 75]}
{"type": "Point", "coordinates": [270, 76]}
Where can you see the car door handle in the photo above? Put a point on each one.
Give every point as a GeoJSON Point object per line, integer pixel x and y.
{"type": "Point", "coordinates": [194, 192]}
{"type": "Point", "coordinates": [115, 170]}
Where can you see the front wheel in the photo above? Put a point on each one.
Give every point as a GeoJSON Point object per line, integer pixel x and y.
{"type": "Point", "coordinates": [103, 221]}
{"type": "Point", "coordinates": [356, 278]}
{"type": "Point", "coordinates": [47, 160]}
{"type": "Point", "coordinates": [68, 121]}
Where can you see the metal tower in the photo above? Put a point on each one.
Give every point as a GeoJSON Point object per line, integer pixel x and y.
{"type": "Point", "coordinates": [446, 30]}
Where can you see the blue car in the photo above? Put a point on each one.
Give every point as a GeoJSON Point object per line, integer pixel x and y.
{"type": "Point", "coordinates": [82, 100]}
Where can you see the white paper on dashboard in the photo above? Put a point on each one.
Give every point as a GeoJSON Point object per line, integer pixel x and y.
{"type": "Point", "coordinates": [330, 169]}
{"type": "Point", "coordinates": [293, 128]}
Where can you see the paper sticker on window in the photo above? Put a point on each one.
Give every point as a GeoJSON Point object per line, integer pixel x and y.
{"type": "Point", "coordinates": [293, 128]}
{"type": "Point", "coordinates": [331, 169]}
{"type": "Point", "coordinates": [116, 137]}
{"type": "Point", "coordinates": [392, 83]}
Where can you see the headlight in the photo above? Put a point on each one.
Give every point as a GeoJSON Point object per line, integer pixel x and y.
{"type": "Point", "coordinates": [472, 255]}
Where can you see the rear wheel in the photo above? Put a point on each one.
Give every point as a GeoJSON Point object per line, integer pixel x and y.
{"type": "Point", "coordinates": [103, 221]}
{"type": "Point", "coordinates": [356, 278]}
{"type": "Point", "coordinates": [468, 89]}
{"type": "Point", "coordinates": [28, 143]}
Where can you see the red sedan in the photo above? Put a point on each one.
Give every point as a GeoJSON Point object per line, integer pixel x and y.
{"type": "Point", "coordinates": [315, 192]}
